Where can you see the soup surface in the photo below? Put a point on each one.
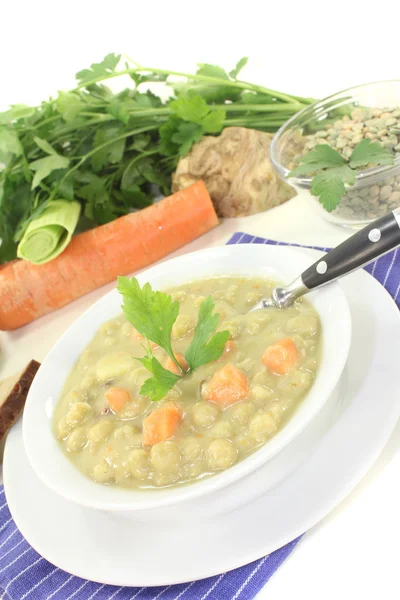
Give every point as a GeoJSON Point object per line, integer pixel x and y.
{"type": "Point", "coordinates": [213, 417]}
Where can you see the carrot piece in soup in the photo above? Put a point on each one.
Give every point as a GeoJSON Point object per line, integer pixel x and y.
{"type": "Point", "coordinates": [161, 424]}
{"type": "Point", "coordinates": [230, 346]}
{"type": "Point", "coordinates": [281, 357]}
{"type": "Point", "coordinates": [117, 398]}
{"type": "Point", "coordinates": [226, 386]}
{"type": "Point", "coordinates": [171, 366]}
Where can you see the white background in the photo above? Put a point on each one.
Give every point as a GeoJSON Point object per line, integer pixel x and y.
{"type": "Point", "coordinates": [306, 48]}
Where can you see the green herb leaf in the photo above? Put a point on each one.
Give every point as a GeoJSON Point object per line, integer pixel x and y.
{"type": "Point", "coordinates": [98, 207]}
{"type": "Point", "coordinates": [186, 136]}
{"type": "Point", "coordinates": [133, 197]}
{"type": "Point", "coordinates": [212, 71]}
{"type": "Point", "coordinates": [239, 66]}
{"type": "Point", "coordinates": [44, 166]}
{"type": "Point", "coordinates": [167, 131]}
{"type": "Point", "coordinates": [204, 348]}
{"type": "Point", "coordinates": [151, 313]}
{"type": "Point", "coordinates": [112, 152]}
{"type": "Point", "coordinates": [44, 145]}
{"type": "Point", "coordinates": [190, 108]}
{"type": "Point", "coordinates": [97, 70]}
{"type": "Point", "coordinates": [322, 157]}
{"type": "Point", "coordinates": [17, 111]}
{"type": "Point", "coordinates": [69, 105]}
{"type": "Point", "coordinates": [367, 152]}
{"type": "Point", "coordinates": [213, 122]}
{"type": "Point", "coordinates": [329, 185]}
{"type": "Point", "coordinates": [158, 386]}
{"type": "Point", "coordinates": [9, 142]}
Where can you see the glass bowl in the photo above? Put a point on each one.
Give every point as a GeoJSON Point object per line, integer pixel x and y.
{"type": "Point", "coordinates": [351, 114]}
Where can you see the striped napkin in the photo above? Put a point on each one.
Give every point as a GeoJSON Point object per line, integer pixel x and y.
{"type": "Point", "coordinates": [24, 574]}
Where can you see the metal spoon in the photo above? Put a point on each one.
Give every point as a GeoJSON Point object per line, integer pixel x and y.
{"type": "Point", "coordinates": [374, 240]}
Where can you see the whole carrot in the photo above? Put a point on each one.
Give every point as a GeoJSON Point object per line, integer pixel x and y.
{"type": "Point", "coordinates": [98, 256]}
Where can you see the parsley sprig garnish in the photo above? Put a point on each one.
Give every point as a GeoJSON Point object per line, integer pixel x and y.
{"type": "Point", "coordinates": [152, 314]}
{"type": "Point", "coordinates": [331, 172]}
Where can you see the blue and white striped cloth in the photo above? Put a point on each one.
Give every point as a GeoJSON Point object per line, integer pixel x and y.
{"type": "Point", "coordinates": [386, 269]}
{"type": "Point", "coordinates": [24, 574]}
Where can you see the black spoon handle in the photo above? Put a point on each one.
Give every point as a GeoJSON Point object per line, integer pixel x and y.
{"type": "Point", "coordinates": [366, 245]}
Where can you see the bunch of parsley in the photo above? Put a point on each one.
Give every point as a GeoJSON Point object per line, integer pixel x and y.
{"type": "Point", "coordinates": [115, 152]}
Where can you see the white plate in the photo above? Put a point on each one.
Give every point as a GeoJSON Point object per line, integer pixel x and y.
{"type": "Point", "coordinates": [110, 549]}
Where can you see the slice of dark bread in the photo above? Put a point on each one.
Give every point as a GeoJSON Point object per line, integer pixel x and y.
{"type": "Point", "coordinates": [13, 393]}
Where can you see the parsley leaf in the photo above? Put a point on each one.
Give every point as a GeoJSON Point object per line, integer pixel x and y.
{"type": "Point", "coordinates": [151, 313]}
{"type": "Point", "coordinates": [17, 111]}
{"type": "Point", "coordinates": [44, 145]}
{"type": "Point", "coordinates": [158, 386]}
{"type": "Point", "coordinates": [370, 152]}
{"type": "Point", "coordinates": [45, 166]}
{"type": "Point", "coordinates": [97, 70]}
{"type": "Point", "coordinates": [329, 185]}
{"type": "Point", "coordinates": [322, 157]}
{"type": "Point", "coordinates": [69, 105]}
{"type": "Point", "coordinates": [212, 71]}
{"type": "Point", "coordinates": [239, 66]}
{"type": "Point", "coordinates": [187, 135]}
{"type": "Point", "coordinates": [204, 348]}
{"type": "Point", "coordinates": [212, 123]}
{"type": "Point", "coordinates": [9, 142]}
{"type": "Point", "coordinates": [190, 108]}
{"type": "Point", "coordinates": [200, 119]}
{"type": "Point", "coordinates": [331, 171]}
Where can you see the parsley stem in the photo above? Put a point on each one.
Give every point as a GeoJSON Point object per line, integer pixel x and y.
{"type": "Point", "coordinates": [206, 78]}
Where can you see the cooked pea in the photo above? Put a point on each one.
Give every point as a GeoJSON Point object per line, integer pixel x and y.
{"type": "Point", "coordinates": [63, 427]}
{"type": "Point", "coordinates": [76, 439]}
{"type": "Point", "coordinates": [221, 429]}
{"type": "Point", "coordinates": [262, 425]}
{"type": "Point", "coordinates": [165, 457]}
{"type": "Point", "coordinates": [296, 382]}
{"type": "Point", "coordinates": [100, 432]}
{"type": "Point", "coordinates": [122, 472]}
{"type": "Point", "coordinates": [244, 442]}
{"type": "Point", "coordinates": [77, 412]}
{"type": "Point", "coordinates": [125, 431]}
{"type": "Point", "coordinates": [240, 413]}
{"type": "Point", "coordinates": [221, 454]}
{"type": "Point", "coordinates": [190, 449]}
{"type": "Point", "coordinates": [204, 413]}
{"type": "Point", "coordinates": [182, 326]}
{"type": "Point", "coordinates": [103, 472]}
{"type": "Point", "coordinates": [134, 408]}
{"type": "Point", "coordinates": [139, 376]}
{"type": "Point", "coordinates": [127, 329]}
{"type": "Point", "coordinates": [261, 393]}
{"type": "Point", "coordinates": [233, 327]}
{"type": "Point", "coordinates": [197, 301]}
{"type": "Point", "coordinates": [139, 463]}
{"type": "Point", "coordinates": [114, 365]}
